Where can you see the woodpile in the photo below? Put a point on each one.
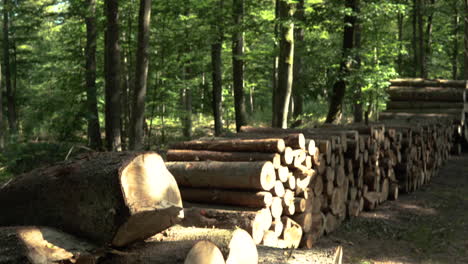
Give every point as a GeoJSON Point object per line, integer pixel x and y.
{"type": "Point", "coordinates": [321, 177]}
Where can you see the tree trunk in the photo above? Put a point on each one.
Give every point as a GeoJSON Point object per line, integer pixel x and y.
{"type": "Point", "coordinates": [216, 64]}
{"type": "Point", "coordinates": [201, 155]}
{"type": "Point", "coordinates": [400, 43]}
{"type": "Point", "coordinates": [227, 197]}
{"type": "Point", "coordinates": [141, 78]}
{"type": "Point", "coordinates": [285, 64]}
{"type": "Point", "coordinates": [32, 245]}
{"type": "Point", "coordinates": [434, 94]}
{"type": "Point", "coordinates": [429, 27]}
{"type": "Point", "coordinates": [107, 197]}
{"type": "Point", "coordinates": [358, 111]}
{"type": "Point", "coordinates": [258, 175]}
{"type": "Point", "coordinates": [112, 69]}
{"type": "Point", "coordinates": [339, 88]}
{"type": "Point", "coordinates": [10, 96]}
{"type": "Point", "coordinates": [94, 129]}
{"type": "Point", "coordinates": [465, 72]}
{"type": "Point", "coordinates": [298, 76]}
{"type": "Point", "coordinates": [274, 102]}
{"type": "Point", "coordinates": [2, 127]}
{"type": "Point", "coordinates": [415, 38]}
{"type": "Point", "coordinates": [186, 100]}
{"type": "Point", "coordinates": [422, 50]}
{"type": "Point", "coordinates": [456, 22]}
{"type": "Point", "coordinates": [238, 63]}
{"type": "Point", "coordinates": [271, 145]}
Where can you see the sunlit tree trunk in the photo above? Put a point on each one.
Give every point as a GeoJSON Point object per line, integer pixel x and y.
{"type": "Point", "coordinates": [456, 22]}
{"type": "Point", "coordinates": [285, 63]}
{"type": "Point", "coordinates": [94, 129]}
{"type": "Point", "coordinates": [216, 64]}
{"type": "Point", "coordinates": [421, 42]}
{"type": "Point", "coordinates": [141, 77]}
{"type": "Point", "coordinates": [299, 51]}
{"type": "Point", "coordinates": [400, 43]}
{"type": "Point", "coordinates": [238, 63]}
{"type": "Point", "coordinates": [339, 88]}
{"type": "Point", "coordinates": [112, 72]}
{"type": "Point", "coordinates": [274, 80]}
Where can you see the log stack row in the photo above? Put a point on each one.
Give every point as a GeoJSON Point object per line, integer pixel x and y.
{"type": "Point", "coordinates": [341, 171]}
{"type": "Point", "coordinates": [422, 99]}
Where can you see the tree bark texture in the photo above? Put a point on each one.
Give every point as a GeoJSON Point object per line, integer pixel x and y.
{"type": "Point", "coordinates": [33, 245]}
{"type": "Point", "coordinates": [112, 69]}
{"type": "Point", "coordinates": [358, 111]}
{"type": "Point", "coordinates": [339, 88]}
{"type": "Point", "coordinates": [465, 72]}
{"type": "Point", "coordinates": [428, 43]}
{"type": "Point", "coordinates": [10, 93]}
{"type": "Point", "coordinates": [216, 64]}
{"type": "Point", "coordinates": [141, 78]}
{"type": "Point", "coordinates": [414, 43]}
{"type": "Point", "coordinates": [94, 129]}
{"type": "Point", "coordinates": [400, 43]}
{"type": "Point", "coordinates": [454, 59]}
{"type": "Point", "coordinates": [238, 63]}
{"type": "Point", "coordinates": [2, 127]}
{"type": "Point", "coordinates": [298, 76]}
{"type": "Point", "coordinates": [421, 42]}
{"type": "Point", "coordinates": [285, 63]}
{"type": "Point", "coordinates": [109, 198]}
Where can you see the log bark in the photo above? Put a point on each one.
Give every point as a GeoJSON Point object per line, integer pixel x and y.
{"type": "Point", "coordinates": [254, 222]}
{"type": "Point", "coordinates": [420, 82]}
{"type": "Point", "coordinates": [213, 174]}
{"type": "Point", "coordinates": [437, 94]}
{"type": "Point", "coordinates": [35, 245]}
{"type": "Point", "coordinates": [457, 118]}
{"type": "Point", "coordinates": [204, 155]}
{"type": "Point", "coordinates": [227, 197]}
{"type": "Point", "coordinates": [393, 105]}
{"type": "Point", "coordinates": [292, 232]}
{"type": "Point", "coordinates": [109, 198]}
{"type": "Point", "coordinates": [273, 145]}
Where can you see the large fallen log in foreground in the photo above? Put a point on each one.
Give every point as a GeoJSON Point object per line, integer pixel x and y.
{"type": "Point", "coordinates": [108, 198]}
{"type": "Point", "coordinates": [38, 245]}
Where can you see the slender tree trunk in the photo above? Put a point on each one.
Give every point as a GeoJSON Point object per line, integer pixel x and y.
{"type": "Point", "coordinates": [216, 65]}
{"type": "Point", "coordinates": [112, 65]}
{"type": "Point", "coordinates": [456, 22]}
{"type": "Point", "coordinates": [2, 131]}
{"type": "Point", "coordinates": [415, 38]}
{"type": "Point", "coordinates": [422, 50]}
{"type": "Point", "coordinates": [358, 111]}
{"type": "Point", "coordinates": [11, 104]}
{"type": "Point", "coordinates": [94, 129]}
{"type": "Point", "coordinates": [339, 88]}
{"type": "Point", "coordinates": [186, 96]}
{"type": "Point", "coordinates": [285, 64]}
{"type": "Point", "coordinates": [428, 44]}
{"type": "Point", "coordinates": [465, 71]}
{"type": "Point", "coordinates": [400, 43]}
{"type": "Point", "coordinates": [274, 102]}
{"type": "Point", "coordinates": [238, 63]}
{"type": "Point", "coordinates": [139, 96]}
{"type": "Point", "coordinates": [298, 77]}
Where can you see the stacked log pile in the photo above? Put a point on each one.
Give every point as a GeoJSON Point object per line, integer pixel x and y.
{"type": "Point", "coordinates": [422, 99]}
{"type": "Point", "coordinates": [341, 171]}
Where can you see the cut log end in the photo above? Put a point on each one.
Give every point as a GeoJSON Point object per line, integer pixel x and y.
{"type": "Point", "coordinates": [204, 252]}
{"type": "Point", "coordinates": [152, 195]}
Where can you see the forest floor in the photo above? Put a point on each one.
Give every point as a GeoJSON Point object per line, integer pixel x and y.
{"type": "Point", "coordinates": [429, 226]}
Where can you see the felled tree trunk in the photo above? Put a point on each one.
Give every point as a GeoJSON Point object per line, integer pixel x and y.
{"type": "Point", "coordinates": [38, 245]}
{"type": "Point", "coordinates": [109, 198]}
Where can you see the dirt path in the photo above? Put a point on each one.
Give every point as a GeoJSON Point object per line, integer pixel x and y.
{"type": "Point", "coordinates": [429, 226]}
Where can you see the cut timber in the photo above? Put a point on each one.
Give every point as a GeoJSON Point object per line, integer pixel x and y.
{"type": "Point", "coordinates": [273, 145]}
{"type": "Point", "coordinates": [371, 200]}
{"type": "Point", "coordinates": [204, 252]}
{"type": "Point", "coordinates": [202, 155]}
{"type": "Point", "coordinates": [277, 207]}
{"type": "Point", "coordinates": [393, 192]}
{"type": "Point", "coordinates": [236, 244]}
{"type": "Point", "coordinates": [227, 197]}
{"type": "Point", "coordinates": [283, 173]}
{"type": "Point", "coordinates": [304, 220]}
{"type": "Point", "coordinates": [294, 140]}
{"type": "Point", "coordinates": [277, 226]}
{"type": "Point", "coordinates": [292, 232]}
{"type": "Point", "coordinates": [331, 223]}
{"type": "Point", "coordinates": [420, 82]}
{"type": "Point", "coordinates": [300, 204]}
{"type": "Point", "coordinates": [259, 175]}
{"type": "Point", "coordinates": [278, 190]}
{"type": "Point", "coordinates": [254, 222]}
{"type": "Point", "coordinates": [438, 94]}
{"type": "Point", "coordinates": [270, 239]}
{"type": "Point", "coordinates": [425, 105]}
{"type": "Point", "coordinates": [108, 198]}
{"type": "Point", "coordinates": [37, 245]}
{"type": "Point", "coordinates": [287, 157]}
